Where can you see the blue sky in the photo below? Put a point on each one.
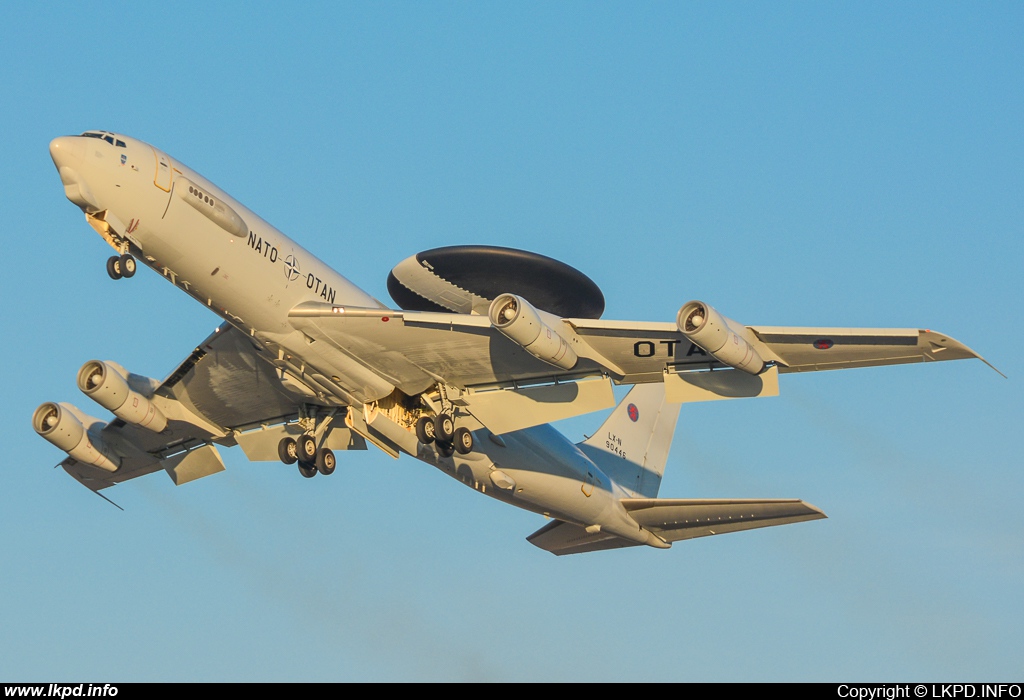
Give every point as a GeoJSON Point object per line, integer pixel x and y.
{"type": "Point", "coordinates": [853, 164]}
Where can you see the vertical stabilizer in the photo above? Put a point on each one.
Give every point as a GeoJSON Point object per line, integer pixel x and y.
{"type": "Point", "coordinates": [632, 446]}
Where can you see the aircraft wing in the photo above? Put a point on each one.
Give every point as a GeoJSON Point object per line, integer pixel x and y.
{"type": "Point", "coordinates": [813, 349]}
{"type": "Point", "coordinates": [416, 349]}
{"type": "Point", "coordinates": [224, 392]}
{"type": "Point", "coordinates": [467, 279]}
{"type": "Point", "coordinates": [631, 346]}
{"type": "Point", "coordinates": [229, 382]}
{"type": "Point", "coordinates": [674, 519]}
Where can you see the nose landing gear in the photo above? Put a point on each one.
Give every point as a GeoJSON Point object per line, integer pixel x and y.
{"type": "Point", "coordinates": [119, 266]}
{"type": "Point", "coordinates": [127, 265]}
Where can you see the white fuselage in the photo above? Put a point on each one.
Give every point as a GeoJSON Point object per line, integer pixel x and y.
{"type": "Point", "coordinates": [253, 276]}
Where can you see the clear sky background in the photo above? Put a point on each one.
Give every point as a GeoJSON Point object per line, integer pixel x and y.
{"type": "Point", "coordinates": [851, 164]}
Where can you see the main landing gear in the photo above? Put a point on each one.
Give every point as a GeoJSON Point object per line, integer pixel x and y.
{"type": "Point", "coordinates": [304, 451]}
{"type": "Point", "coordinates": [119, 266]}
{"type": "Point", "coordinates": [441, 431]}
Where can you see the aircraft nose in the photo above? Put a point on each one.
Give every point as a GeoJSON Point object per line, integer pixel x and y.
{"type": "Point", "coordinates": [66, 150]}
{"type": "Point", "coordinates": [68, 153]}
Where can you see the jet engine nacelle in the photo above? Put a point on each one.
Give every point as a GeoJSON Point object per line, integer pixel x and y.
{"type": "Point", "coordinates": [707, 328]}
{"type": "Point", "coordinates": [105, 385]}
{"type": "Point", "coordinates": [518, 320]}
{"type": "Point", "coordinates": [62, 428]}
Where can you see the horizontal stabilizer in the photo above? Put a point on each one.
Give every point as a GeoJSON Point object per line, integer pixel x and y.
{"type": "Point", "coordinates": [675, 519]}
{"type": "Point", "coordinates": [560, 538]}
{"type": "Point", "coordinates": [189, 466]}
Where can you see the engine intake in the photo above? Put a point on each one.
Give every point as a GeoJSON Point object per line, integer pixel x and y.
{"type": "Point", "coordinates": [62, 428]}
{"type": "Point", "coordinates": [104, 384]}
{"type": "Point", "coordinates": [707, 328]}
{"type": "Point", "coordinates": [517, 319]}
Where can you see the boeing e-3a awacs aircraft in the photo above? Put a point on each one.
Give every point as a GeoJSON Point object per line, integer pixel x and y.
{"type": "Point", "coordinates": [489, 345]}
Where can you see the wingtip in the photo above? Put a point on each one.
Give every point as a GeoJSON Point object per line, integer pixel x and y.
{"type": "Point", "coordinates": [970, 352]}
{"type": "Point", "coordinates": [818, 513]}
{"type": "Point", "coordinates": [107, 500]}
{"type": "Point", "coordinates": [996, 369]}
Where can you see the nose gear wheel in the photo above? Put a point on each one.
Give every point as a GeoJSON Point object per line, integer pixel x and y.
{"type": "Point", "coordinates": [114, 267]}
{"type": "Point", "coordinates": [119, 266]}
{"type": "Point", "coordinates": [127, 265]}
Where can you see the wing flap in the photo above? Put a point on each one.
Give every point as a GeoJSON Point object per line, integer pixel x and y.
{"type": "Point", "coordinates": [183, 467]}
{"type": "Point", "coordinates": [506, 410]}
{"type": "Point", "coordinates": [260, 445]}
{"type": "Point", "coordinates": [193, 465]}
{"type": "Point", "coordinates": [690, 387]}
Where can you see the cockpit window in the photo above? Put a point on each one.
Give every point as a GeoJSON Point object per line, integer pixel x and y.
{"type": "Point", "coordinates": [105, 136]}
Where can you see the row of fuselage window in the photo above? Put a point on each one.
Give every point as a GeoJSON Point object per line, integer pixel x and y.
{"type": "Point", "coordinates": [205, 197]}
